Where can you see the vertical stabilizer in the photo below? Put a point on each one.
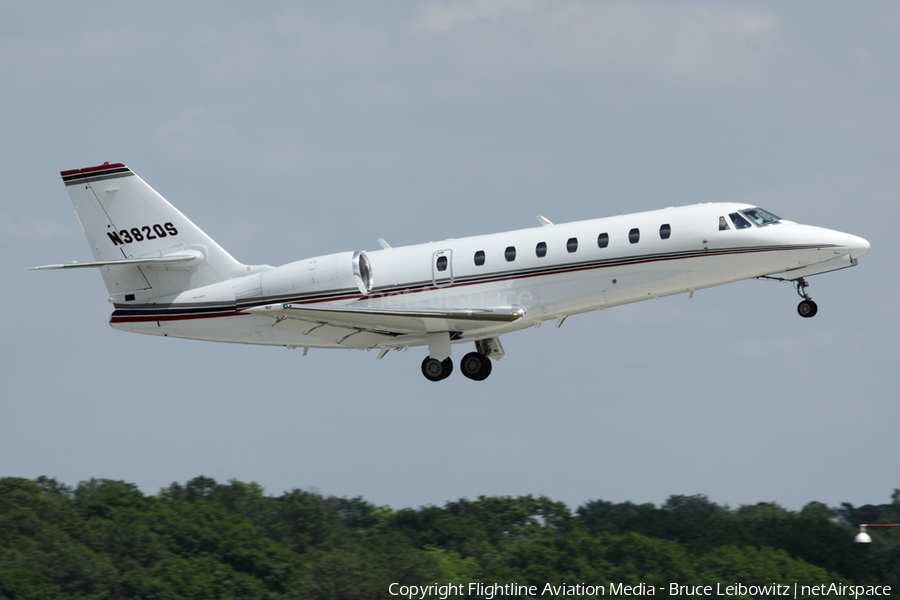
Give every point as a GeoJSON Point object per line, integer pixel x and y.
{"type": "Point", "coordinates": [124, 218]}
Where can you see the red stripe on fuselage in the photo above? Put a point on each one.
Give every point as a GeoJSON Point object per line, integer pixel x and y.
{"type": "Point", "coordinates": [560, 271]}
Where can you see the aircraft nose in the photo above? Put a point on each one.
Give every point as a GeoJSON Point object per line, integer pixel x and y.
{"type": "Point", "coordinates": [857, 245]}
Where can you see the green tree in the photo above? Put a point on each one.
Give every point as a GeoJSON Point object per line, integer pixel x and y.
{"type": "Point", "coordinates": [24, 584]}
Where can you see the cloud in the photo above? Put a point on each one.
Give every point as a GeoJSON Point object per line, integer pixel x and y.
{"type": "Point", "coordinates": [288, 46]}
{"type": "Point", "coordinates": [32, 228]}
{"type": "Point", "coordinates": [198, 48]}
{"type": "Point", "coordinates": [227, 134]}
{"type": "Point", "coordinates": [684, 42]}
{"type": "Point", "coordinates": [41, 53]}
{"type": "Point", "coordinates": [446, 16]}
{"type": "Point", "coordinates": [722, 42]}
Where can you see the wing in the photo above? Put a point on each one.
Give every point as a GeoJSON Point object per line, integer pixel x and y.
{"type": "Point", "coordinates": [393, 321]}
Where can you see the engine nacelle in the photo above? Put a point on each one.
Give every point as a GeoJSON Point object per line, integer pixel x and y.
{"type": "Point", "coordinates": [344, 273]}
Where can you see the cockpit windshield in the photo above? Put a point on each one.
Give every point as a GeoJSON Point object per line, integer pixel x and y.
{"type": "Point", "coordinates": [760, 217]}
{"type": "Point", "coordinates": [739, 221]}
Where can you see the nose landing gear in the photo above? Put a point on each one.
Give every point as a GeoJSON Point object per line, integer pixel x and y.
{"type": "Point", "coordinates": [807, 308]}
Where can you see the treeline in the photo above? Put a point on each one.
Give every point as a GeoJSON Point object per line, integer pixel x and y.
{"type": "Point", "coordinates": [106, 539]}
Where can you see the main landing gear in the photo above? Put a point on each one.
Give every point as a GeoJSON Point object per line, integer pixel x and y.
{"type": "Point", "coordinates": [807, 308]}
{"type": "Point", "coordinates": [474, 365]}
{"type": "Point", "coordinates": [435, 370]}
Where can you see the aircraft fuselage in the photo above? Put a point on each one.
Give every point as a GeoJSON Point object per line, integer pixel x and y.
{"type": "Point", "coordinates": [580, 270]}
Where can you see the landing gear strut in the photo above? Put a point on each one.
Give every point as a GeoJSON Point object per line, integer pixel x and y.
{"type": "Point", "coordinates": [807, 308]}
{"type": "Point", "coordinates": [436, 370]}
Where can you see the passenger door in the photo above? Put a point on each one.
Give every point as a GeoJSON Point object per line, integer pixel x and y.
{"type": "Point", "coordinates": [442, 268]}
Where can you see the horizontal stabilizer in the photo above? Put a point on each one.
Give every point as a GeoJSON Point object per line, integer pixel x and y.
{"type": "Point", "coordinates": [179, 258]}
{"type": "Point", "coordinates": [393, 320]}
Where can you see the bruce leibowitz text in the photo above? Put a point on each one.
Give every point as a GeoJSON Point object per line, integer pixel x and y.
{"type": "Point", "coordinates": [489, 591]}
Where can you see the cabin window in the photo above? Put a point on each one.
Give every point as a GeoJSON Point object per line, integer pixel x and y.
{"type": "Point", "coordinates": [479, 258]}
{"type": "Point", "coordinates": [603, 240]}
{"type": "Point", "coordinates": [723, 224]}
{"type": "Point", "coordinates": [441, 263]}
{"type": "Point", "coordinates": [572, 245]}
{"type": "Point", "coordinates": [665, 230]}
{"type": "Point", "coordinates": [541, 249]}
{"type": "Point", "coordinates": [510, 253]}
{"type": "Point", "coordinates": [739, 221]}
{"type": "Point", "coordinates": [634, 236]}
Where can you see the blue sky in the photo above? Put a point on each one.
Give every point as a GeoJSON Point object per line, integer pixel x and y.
{"type": "Point", "coordinates": [289, 130]}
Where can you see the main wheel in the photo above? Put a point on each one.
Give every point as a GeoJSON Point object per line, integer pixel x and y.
{"type": "Point", "coordinates": [807, 309]}
{"type": "Point", "coordinates": [435, 370]}
{"type": "Point", "coordinates": [475, 366]}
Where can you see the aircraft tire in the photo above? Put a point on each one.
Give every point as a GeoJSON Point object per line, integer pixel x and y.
{"type": "Point", "coordinates": [475, 366]}
{"type": "Point", "coordinates": [807, 309]}
{"type": "Point", "coordinates": [448, 367]}
{"type": "Point", "coordinates": [436, 370]}
{"type": "Point", "coordinates": [485, 369]}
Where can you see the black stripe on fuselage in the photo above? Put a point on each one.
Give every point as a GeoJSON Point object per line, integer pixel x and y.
{"type": "Point", "coordinates": [126, 313]}
{"type": "Point", "coordinates": [587, 265]}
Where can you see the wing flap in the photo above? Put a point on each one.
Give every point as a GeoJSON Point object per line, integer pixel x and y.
{"type": "Point", "coordinates": [394, 321]}
{"type": "Point", "coordinates": [343, 337]}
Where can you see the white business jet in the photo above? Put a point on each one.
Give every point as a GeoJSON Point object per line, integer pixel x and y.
{"type": "Point", "coordinates": [166, 277]}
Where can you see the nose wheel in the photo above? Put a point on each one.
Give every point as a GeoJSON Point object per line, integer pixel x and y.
{"type": "Point", "coordinates": [807, 308]}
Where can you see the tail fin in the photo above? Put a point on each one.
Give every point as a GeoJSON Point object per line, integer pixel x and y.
{"type": "Point", "coordinates": [145, 248]}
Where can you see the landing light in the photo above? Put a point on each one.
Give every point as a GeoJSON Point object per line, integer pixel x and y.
{"type": "Point", "coordinates": [864, 538]}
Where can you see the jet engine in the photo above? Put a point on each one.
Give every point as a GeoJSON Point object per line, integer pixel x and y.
{"type": "Point", "coordinates": [334, 276]}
